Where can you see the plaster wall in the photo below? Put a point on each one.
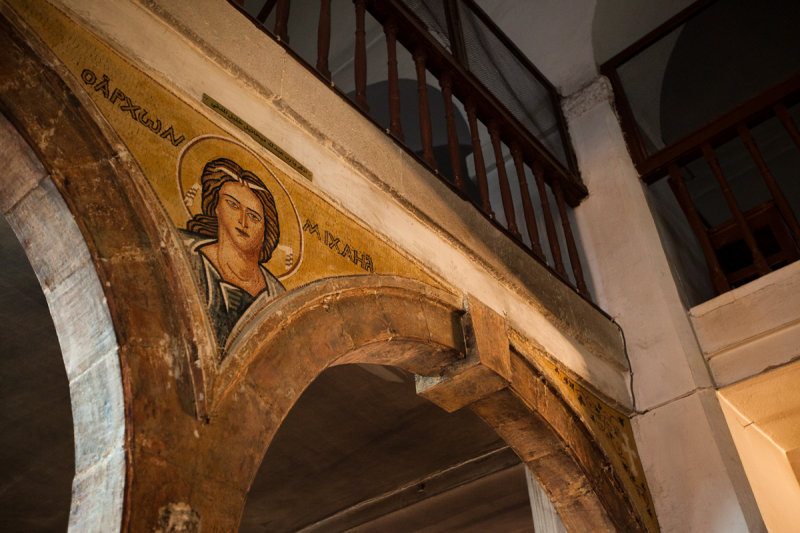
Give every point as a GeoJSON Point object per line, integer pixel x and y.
{"type": "Point", "coordinates": [752, 328]}
{"type": "Point", "coordinates": [361, 170]}
{"type": "Point", "coordinates": [687, 452]}
{"type": "Point", "coordinates": [762, 415]}
{"type": "Point", "coordinates": [694, 478]}
{"type": "Point", "coordinates": [628, 267]}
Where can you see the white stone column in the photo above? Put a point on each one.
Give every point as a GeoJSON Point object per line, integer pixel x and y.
{"type": "Point", "coordinates": [58, 254]}
{"type": "Point", "coordinates": [545, 517]}
{"type": "Point", "coordinates": [694, 474]}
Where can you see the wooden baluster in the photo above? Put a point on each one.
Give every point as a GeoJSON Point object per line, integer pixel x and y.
{"type": "Point", "coordinates": [552, 237]}
{"type": "Point", "coordinates": [480, 164]}
{"type": "Point", "coordinates": [758, 258]}
{"type": "Point", "coordinates": [361, 57]}
{"type": "Point", "coordinates": [266, 9]}
{"type": "Point", "coordinates": [395, 126]}
{"type": "Point", "coordinates": [572, 249]}
{"type": "Point", "coordinates": [505, 190]}
{"type": "Point", "coordinates": [783, 115]}
{"type": "Point", "coordinates": [678, 186]}
{"type": "Point", "coordinates": [425, 127]}
{"type": "Point", "coordinates": [769, 180]}
{"type": "Point", "coordinates": [446, 83]}
{"type": "Point", "coordinates": [324, 38]}
{"type": "Point", "coordinates": [282, 21]}
{"type": "Point", "coordinates": [527, 207]}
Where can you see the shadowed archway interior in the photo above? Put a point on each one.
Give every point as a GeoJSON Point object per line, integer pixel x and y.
{"type": "Point", "coordinates": [37, 455]}
{"type": "Point", "coordinates": [360, 450]}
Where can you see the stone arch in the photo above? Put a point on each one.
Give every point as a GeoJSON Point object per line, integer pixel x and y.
{"type": "Point", "coordinates": [95, 236]}
{"type": "Point", "coordinates": [37, 212]}
{"type": "Point", "coordinates": [461, 354]}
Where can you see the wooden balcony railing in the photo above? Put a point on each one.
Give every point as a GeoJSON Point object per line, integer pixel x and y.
{"type": "Point", "coordinates": [755, 240]}
{"type": "Point", "coordinates": [537, 218]}
{"type": "Point", "coordinates": [767, 235]}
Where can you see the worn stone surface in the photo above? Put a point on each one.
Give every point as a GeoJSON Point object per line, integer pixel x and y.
{"type": "Point", "coordinates": [560, 476]}
{"type": "Point", "coordinates": [43, 209]}
{"type": "Point", "coordinates": [99, 428]}
{"type": "Point", "coordinates": [545, 517]}
{"type": "Point", "coordinates": [487, 339]}
{"type": "Point", "coordinates": [463, 388]}
{"type": "Point", "coordinates": [23, 171]}
{"type": "Point", "coordinates": [86, 331]}
{"type": "Point", "coordinates": [97, 494]}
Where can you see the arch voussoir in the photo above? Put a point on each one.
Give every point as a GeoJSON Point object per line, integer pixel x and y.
{"type": "Point", "coordinates": [462, 358]}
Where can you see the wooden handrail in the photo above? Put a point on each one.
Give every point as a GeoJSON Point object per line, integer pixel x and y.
{"type": "Point", "coordinates": [720, 130]}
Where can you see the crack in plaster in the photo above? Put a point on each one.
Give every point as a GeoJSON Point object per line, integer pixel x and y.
{"type": "Point", "coordinates": [673, 400]}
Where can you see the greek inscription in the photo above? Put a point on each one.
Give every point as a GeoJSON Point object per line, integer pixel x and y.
{"type": "Point", "coordinates": [124, 103]}
{"type": "Point", "coordinates": [154, 125]}
{"type": "Point", "coordinates": [116, 95]}
{"type": "Point", "coordinates": [169, 134]}
{"type": "Point", "coordinates": [130, 108]}
{"type": "Point", "coordinates": [339, 246]}
{"type": "Point", "coordinates": [331, 241]}
{"type": "Point", "coordinates": [102, 85]}
{"type": "Point", "coordinates": [312, 229]}
{"type": "Point", "coordinates": [88, 76]}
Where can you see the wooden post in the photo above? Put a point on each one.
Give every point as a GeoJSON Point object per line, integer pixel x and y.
{"type": "Point", "coordinates": [527, 207]}
{"type": "Point", "coordinates": [361, 57]}
{"type": "Point", "coordinates": [425, 127]}
{"type": "Point", "coordinates": [769, 180]}
{"type": "Point", "coordinates": [282, 21]}
{"type": "Point", "coordinates": [572, 249]}
{"type": "Point", "coordinates": [678, 186]}
{"type": "Point", "coordinates": [446, 83]}
{"type": "Point", "coordinates": [733, 205]}
{"type": "Point", "coordinates": [505, 190]}
{"type": "Point", "coordinates": [783, 115]}
{"type": "Point", "coordinates": [480, 164]}
{"type": "Point", "coordinates": [266, 9]}
{"type": "Point", "coordinates": [395, 126]}
{"type": "Point", "coordinates": [324, 38]}
{"type": "Point", "coordinates": [552, 237]}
